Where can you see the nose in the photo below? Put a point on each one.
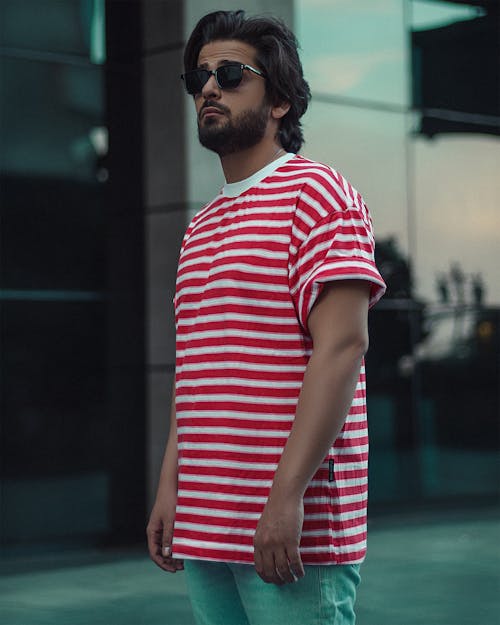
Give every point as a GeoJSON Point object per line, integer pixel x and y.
{"type": "Point", "coordinates": [211, 89]}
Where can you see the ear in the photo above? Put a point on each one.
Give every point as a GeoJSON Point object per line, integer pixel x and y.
{"type": "Point", "coordinates": [280, 110]}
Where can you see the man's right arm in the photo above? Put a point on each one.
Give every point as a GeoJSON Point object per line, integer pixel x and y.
{"type": "Point", "coordinates": [161, 521]}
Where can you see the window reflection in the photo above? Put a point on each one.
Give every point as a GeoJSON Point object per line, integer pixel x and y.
{"type": "Point", "coordinates": [46, 27]}
{"type": "Point", "coordinates": [457, 194]}
{"type": "Point", "coordinates": [429, 172]}
{"type": "Point", "coordinates": [455, 68]}
{"type": "Point", "coordinates": [455, 157]}
{"type": "Point", "coordinates": [368, 147]}
{"type": "Point", "coordinates": [53, 137]}
{"type": "Point", "coordinates": [354, 49]}
{"type": "Point", "coordinates": [54, 278]}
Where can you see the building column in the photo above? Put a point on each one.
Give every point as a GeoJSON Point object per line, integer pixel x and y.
{"type": "Point", "coordinates": [180, 176]}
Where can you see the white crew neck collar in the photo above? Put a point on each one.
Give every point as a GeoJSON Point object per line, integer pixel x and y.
{"type": "Point", "coordinates": [233, 189]}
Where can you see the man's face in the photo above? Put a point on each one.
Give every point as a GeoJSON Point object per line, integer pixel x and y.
{"type": "Point", "coordinates": [231, 120]}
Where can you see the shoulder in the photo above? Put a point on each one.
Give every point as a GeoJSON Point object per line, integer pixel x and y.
{"type": "Point", "coordinates": [324, 190]}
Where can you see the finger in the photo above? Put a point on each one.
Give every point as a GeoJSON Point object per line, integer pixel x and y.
{"type": "Point", "coordinates": [179, 564]}
{"type": "Point", "coordinates": [167, 563]}
{"type": "Point", "coordinates": [166, 549]}
{"type": "Point", "coordinates": [271, 575]}
{"type": "Point", "coordinates": [166, 541]}
{"type": "Point", "coordinates": [264, 565]}
{"type": "Point", "coordinates": [157, 552]}
{"type": "Point", "coordinates": [172, 565]}
{"type": "Point", "coordinates": [283, 568]}
{"type": "Point", "coordinates": [264, 571]}
{"type": "Point", "coordinates": [295, 562]}
{"type": "Point", "coordinates": [154, 543]}
{"type": "Point", "coordinates": [258, 562]}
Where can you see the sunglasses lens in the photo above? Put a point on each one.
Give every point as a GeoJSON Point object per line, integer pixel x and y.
{"type": "Point", "coordinates": [195, 80]}
{"type": "Point", "coordinates": [229, 76]}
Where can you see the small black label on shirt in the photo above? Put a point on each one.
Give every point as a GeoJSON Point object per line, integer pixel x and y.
{"type": "Point", "coordinates": [331, 474]}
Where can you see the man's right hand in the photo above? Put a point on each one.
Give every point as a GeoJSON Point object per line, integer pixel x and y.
{"type": "Point", "coordinates": [159, 532]}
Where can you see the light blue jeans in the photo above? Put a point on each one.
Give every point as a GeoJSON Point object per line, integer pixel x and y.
{"type": "Point", "coordinates": [233, 594]}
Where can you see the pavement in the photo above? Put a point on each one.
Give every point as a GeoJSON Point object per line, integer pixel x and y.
{"type": "Point", "coordinates": [420, 570]}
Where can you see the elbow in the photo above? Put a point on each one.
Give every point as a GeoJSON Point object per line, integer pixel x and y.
{"type": "Point", "coordinates": [364, 343]}
{"type": "Point", "coordinates": [358, 345]}
{"type": "Point", "coordinates": [353, 347]}
{"type": "Point", "coordinates": [356, 341]}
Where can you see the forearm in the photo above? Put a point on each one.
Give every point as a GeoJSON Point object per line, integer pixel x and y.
{"type": "Point", "coordinates": [168, 473]}
{"type": "Point", "coordinates": [161, 521]}
{"type": "Point", "coordinates": [326, 396]}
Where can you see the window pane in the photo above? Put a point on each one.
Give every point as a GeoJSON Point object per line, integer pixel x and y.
{"type": "Point", "coordinates": [52, 119]}
{"type": "Point", "coordinates": [53, 26]}
{"type": "Point", "coordinates": [355, 49]}
{"type": "Point", "coordinates": [54, 275]}
{"type": "Point", "coordinates": [457, 218]}
{"type": "Point", "coordinates": [368, 148]}
{"type": "Point", "coordinates": [455, 155]}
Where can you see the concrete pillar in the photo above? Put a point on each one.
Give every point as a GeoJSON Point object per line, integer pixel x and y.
{"type": "Point", "coordinates": [165, 207]}
{"type": "Point", "coordinates": [180, 176]}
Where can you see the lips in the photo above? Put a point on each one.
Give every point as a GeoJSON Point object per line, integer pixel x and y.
{"type": "Point", "coordinates": [210, 110]}
{"type": "Point", "coordinates": [210, 113]}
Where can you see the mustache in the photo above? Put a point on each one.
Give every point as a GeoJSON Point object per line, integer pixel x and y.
{"type": "Point", "coordinates": [212, 104]}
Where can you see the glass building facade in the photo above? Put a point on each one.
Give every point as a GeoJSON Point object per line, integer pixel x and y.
{"type": "Point", "coordinates": [392, 86]}
{"type": "Point", "coordinates": [72, 395]}
{"type": "Point", "coordinates": [99, 172]}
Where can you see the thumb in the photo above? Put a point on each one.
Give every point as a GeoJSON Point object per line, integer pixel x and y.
{"type": "Point", "coordinates": [166, 541]}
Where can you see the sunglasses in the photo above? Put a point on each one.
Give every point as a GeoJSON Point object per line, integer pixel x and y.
{"type": "Point", "coordinates": [227, 77]}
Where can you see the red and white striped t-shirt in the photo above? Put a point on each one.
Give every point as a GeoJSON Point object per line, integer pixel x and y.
{"type": "Point", "coordinates": [250, 270]}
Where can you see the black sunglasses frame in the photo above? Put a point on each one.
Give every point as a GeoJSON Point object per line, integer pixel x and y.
{"type": "Point", "coordinates": [201, 71]}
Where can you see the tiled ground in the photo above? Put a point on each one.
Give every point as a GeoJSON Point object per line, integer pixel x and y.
{"type": "Point", "coordinates": [418, 572]}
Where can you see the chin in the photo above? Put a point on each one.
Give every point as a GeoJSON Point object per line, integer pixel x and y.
{"type": "Point", "coordinates": [208, 122]}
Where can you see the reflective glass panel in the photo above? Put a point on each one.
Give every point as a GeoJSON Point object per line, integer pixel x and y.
{"type": "Point", "coordinates": [354, 49]}
{"type": "Point", "coordinates": [54, 279]}
{"type": "Point", "coordinates": [455, 157]}
{"type": "Point", "coordinates": [52, 118]}
{"type": "Point", "coordinates": [367, 147]}
{"type": "Point", "coordinates": [47, 27]}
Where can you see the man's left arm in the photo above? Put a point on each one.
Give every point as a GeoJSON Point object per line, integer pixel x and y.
{"type": "Point", "coordinates": [339, 329]}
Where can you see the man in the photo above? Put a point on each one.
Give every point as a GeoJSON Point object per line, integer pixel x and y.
{"type": "Point", "coordinates": [262, 493]}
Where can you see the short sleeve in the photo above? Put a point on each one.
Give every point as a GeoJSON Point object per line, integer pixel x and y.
{"type": "Point", "coordinates": [330, 242]}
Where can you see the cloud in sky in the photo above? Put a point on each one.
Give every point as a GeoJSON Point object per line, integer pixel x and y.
{"type": "Point", "coordinates": [354, 48]}
{"type": "Point", "coordinates": [342, 73]}
{"type": "Point", "coordinates": [373, 6]}
{"type": "Point", "coordinates": [359, 49]}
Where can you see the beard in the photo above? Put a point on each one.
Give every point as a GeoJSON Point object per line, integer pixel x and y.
{"type": "Point", "coordinates": [234, 135]}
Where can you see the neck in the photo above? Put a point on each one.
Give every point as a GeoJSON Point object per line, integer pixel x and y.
{"type": "Point", "coordinates": [241, 165]}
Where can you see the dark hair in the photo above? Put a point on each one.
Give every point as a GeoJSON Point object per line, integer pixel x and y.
{"type": "Point", "coordinates": [277, 57]}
